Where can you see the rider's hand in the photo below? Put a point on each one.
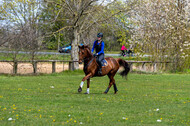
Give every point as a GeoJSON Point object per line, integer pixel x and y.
{"type": "Point", "coordinates": [94, 55]}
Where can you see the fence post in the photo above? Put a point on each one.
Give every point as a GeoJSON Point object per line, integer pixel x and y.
{"type": "Point", "coordinates": [53, 67]}
{"type": "Point", "coordinates": [71, 66]}
{"type": "Point", "coordinates": [131, 66]}
{"type": "Point", "coordinates": [143, 66]}
{"type": "Point", "coordinates": [15, 66]}
{"type": "Point", "coordinates": [35, 66]}
{"type": "Point", "coordinates": [154, 67]}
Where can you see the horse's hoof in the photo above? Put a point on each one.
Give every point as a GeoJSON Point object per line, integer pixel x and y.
{"type": "Point", "coordinates": [105, 92]}
{"type": "Point", "coordinates": [80, 89]}
{"type": "Point", "coordinates": [86, 93]}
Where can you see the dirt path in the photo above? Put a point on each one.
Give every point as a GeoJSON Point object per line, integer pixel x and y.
{"type": "Point", "coordinates": [26, 68]}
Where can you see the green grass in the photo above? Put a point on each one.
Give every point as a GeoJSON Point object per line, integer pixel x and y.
{"type": "Point", "coordinates": [30, 100]}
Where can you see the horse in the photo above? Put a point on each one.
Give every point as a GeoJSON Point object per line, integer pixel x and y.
{"type": "Point", "coordinates": [91, 68]}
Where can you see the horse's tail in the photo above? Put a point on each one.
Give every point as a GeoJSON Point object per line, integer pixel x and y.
{"type": "Point", "coordinates": [126, 67]}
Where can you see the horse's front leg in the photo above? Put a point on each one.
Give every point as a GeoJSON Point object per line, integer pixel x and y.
{"type": "Point", "coordinates": [82, 82]}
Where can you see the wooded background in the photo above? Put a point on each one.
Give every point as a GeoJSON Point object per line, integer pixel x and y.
{"type": "Point", "coordinates": [160, 28]}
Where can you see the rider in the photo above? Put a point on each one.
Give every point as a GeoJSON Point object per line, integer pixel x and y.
{"type": "Point", "coordinates": [99, 47]}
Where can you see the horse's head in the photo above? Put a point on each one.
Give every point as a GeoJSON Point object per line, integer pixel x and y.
{"type": "Point", "coordinates": [84, 52]}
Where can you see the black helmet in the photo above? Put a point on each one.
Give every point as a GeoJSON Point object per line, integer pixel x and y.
{"type": "Point", "coordinates": [100, 35]}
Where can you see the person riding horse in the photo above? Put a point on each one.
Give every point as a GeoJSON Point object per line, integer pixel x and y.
{"type": "Point", "coordinates": [99, 47]}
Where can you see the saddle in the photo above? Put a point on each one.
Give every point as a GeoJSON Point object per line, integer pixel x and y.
{"type": "Point", "coordinates": [104, 63]}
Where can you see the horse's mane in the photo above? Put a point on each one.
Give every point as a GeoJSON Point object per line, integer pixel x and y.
{"type": "Point", "coordinates": [88, 49]}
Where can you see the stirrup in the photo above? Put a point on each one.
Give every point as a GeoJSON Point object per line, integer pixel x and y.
{"type": "Point", "coordinates": [100, 72]}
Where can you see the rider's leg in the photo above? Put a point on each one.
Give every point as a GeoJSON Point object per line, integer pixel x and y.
{"type": "Point", "coordinates": [100, 59]}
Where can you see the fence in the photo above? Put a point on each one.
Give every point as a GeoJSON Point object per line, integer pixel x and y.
{"type": "Point", "coordinates": [70, 63]}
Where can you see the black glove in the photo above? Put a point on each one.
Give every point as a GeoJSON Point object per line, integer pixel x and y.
{"type": "Point", "coordinates": [95, 54]}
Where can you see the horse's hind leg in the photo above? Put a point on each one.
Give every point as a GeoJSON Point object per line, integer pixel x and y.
{"type": "Point", "coordinates": [115, 88]}
{"type": "Point", "coordinates": [112, 81]}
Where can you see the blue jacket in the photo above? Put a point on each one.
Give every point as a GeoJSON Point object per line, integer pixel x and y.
{"type": "Point", "coordinates": [102, 47]}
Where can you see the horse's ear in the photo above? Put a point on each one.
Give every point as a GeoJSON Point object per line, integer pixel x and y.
{"type": "Point", "coordinates": [85, 46]}
{"type": "Point", "coordinates": [81, 46]}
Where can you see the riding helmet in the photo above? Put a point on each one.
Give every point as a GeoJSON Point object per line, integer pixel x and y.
{"type": "Point", "coordinates": [100, 35]}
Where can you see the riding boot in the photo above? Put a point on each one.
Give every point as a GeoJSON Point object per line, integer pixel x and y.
{"type": "Point", "coordinates": [100, 71]}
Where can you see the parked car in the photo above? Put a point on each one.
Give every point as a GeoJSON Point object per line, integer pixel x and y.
{"type": "Point", "coordinates": [66, 48]}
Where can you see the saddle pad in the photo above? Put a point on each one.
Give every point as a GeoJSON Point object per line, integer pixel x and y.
{"type": "Point", "coordinates": [104, 62]}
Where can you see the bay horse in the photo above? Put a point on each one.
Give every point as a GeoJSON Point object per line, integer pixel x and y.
{"type": "Point", "coordinates": [91, 68]}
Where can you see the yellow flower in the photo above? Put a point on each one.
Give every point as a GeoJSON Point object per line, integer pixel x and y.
{"type": "Point", "coordinates": [14, 108]}
{"type": "Point", "coordinates": [101, 113]}
{"type": "Point", "coordinates": [1, 96]}
{"type": "Point", "coordinates": [17, 115]}
{"type": "Point", "coordinates": [4, 108]}
{"type": "Point", "coordinates": [40, 116]}
{"type": "Point", "coordinates": [54, 120]}
{"type": "Point", "coordinates": [161, 118]}
{"type": "Point", "coordinates": [126, 119]}
{"type": "Point", "coordinates": [13, 105]}
{"type": "Point", "coordinates": [75, 121]}
{"type": "Point", "coordinates": [19, 89]}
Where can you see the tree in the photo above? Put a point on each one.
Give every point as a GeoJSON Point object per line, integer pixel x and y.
{"type": "Point", "coordinates": [162, 29]}
{"type": "Point", "coordinates": [21, 24]}
{"type": "Point", "coordinates": [81, 16]}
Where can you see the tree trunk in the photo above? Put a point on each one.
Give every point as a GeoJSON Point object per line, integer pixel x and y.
{"type": "Point", "coordinates": [74, 50]}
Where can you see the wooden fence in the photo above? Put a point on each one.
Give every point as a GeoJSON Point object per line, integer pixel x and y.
{"type": "Point", "coordinates": [70, 62]}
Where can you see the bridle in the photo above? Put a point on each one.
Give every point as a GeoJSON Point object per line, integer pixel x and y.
{"type": "Point", "coordinates": [87, 59]}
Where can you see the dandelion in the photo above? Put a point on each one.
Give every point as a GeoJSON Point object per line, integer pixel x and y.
{"type": "Point", "coordinates": [1, 96]}
{"type": "Point", "coordinates": [54, 120]}
{"type": "Point", "coordinates": [19, 89]}
{"type": "Point", "coordinates": [159, 120]}
{"type": "Point", "coordinates": [69, 115]}
{"type": "Point", "coordinates": [101, 113]}
{"type": "Point", "coordinates": [52, 87]}
{"type": "Point", "coordinates": [75, 121]}
{"type": "Point", "coordinates": [4, 108]}
{"type": "Point", "coordinates": [124, 118]}
{"type": "Point", "coordinates": [10, 119]}
{"type": "Point", "coordinates": [156, 109]}
{"type": "Point", "coordinates": [80, 123]}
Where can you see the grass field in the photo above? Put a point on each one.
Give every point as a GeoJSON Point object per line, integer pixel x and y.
{"type": "Point", "coordinates": [144, 99]}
